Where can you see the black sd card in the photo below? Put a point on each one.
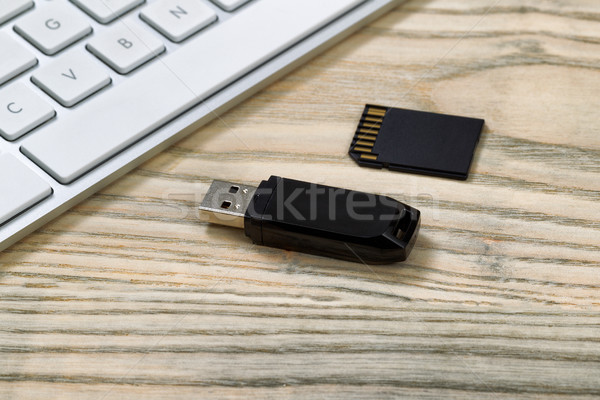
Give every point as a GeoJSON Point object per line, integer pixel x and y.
{"type": "Point", "coordinates": [416, 141]}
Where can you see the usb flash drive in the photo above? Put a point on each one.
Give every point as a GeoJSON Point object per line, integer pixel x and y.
{"type": "Point", "coordinates": [316, 219]}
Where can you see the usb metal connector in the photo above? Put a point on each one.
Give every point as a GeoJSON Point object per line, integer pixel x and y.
{"type": "Point", "coordinates": [226, 203]}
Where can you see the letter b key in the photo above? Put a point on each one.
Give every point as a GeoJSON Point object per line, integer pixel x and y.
{"type": "Point", "coordinates": [124, 48]}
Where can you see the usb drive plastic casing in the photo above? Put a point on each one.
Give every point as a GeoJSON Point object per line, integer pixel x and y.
{"type": "Point", "coordinates": [317, 219]}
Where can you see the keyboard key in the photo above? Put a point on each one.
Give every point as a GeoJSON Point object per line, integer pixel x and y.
{"type": "Point", "coordinates": [21, 110]}
{"type": "Point", "coordinates": [126, 47]}
{"type": "Point", "coordinates": [230, 5]}
{"type": "Point", "coordinates": [106, 11]}
{"type": "Point", "coordinates": [15, 58]}
{"type": "Point", "coordinates": [11, 8]}
{"type": "Point", "coordinates": [69, 148]}
{"type": "Point", "coordinates": [21, 188]}
{"type": "Point", "coordinates": [71, 78]}
{"type": "Point", "coordinates": [53, 28]}
{"type": "Point", "coordinates": [178, 20]}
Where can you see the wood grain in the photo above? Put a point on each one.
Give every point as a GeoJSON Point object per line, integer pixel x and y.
{"type": "Point", "coordinates": [129, 296]}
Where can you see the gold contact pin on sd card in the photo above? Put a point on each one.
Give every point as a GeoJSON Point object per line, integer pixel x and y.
{"type": "Point", "coordinates": [416, 141]}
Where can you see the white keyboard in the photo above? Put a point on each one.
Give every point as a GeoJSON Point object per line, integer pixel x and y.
{"type": "Point", "coordinates": [91, 88]}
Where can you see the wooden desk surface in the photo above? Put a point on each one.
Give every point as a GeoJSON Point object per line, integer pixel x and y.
{"type": "Point", "coordinates": [128, 295]}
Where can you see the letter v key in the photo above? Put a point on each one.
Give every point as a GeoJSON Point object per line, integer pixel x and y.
{"type": "Point", "coordinates": [68, 87]}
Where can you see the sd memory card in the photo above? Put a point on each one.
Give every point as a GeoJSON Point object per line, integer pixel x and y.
{"type": "Point", "coordinates": [416, 141]}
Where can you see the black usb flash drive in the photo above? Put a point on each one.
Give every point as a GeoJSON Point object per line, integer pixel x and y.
{"type": "Point", "coordinates": [316, 219]}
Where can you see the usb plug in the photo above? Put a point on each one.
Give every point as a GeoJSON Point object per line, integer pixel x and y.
{"type": "Point", "coordinates": [316, 219]}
